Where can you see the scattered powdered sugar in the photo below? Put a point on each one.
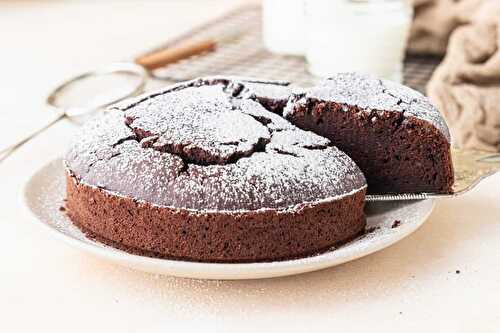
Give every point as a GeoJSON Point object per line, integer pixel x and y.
{"type": "Point", "coordinates": [202, 146]}
{"type": "Point", "coordinates": [371, 94]}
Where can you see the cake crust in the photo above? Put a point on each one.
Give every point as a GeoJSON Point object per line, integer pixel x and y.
{"type": "Point", "coordinates": [248, 236]}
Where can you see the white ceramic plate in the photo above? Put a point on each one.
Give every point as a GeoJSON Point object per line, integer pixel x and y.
{"type": "Point", "coordinates": [45, 191]}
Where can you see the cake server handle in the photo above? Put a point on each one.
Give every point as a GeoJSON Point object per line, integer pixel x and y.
{"type": "Point", "coordinates": [471, 167]}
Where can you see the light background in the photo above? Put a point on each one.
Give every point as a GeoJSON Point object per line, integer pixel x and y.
{"type": "Point", "coordinates": [45, 285]}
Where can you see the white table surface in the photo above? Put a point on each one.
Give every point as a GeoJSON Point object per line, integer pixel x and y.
{"type": "Point", "coordinates": [46, 285]}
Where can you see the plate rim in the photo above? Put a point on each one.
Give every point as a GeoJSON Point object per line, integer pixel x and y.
{"type": "Point", "coordinates": [208, 270]}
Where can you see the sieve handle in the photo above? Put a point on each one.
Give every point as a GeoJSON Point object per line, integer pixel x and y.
{"type": "Point", "coordinates": [8, 150]}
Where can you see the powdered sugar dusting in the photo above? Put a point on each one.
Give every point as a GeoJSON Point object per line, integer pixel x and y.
{"type": "Point", "coordinates": [203, 147]}
{"type": "Point", "coordinates": [198, 123]}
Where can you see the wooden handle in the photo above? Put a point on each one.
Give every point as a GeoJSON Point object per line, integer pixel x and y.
{"type": "Point", "coordinates": [175, 53]}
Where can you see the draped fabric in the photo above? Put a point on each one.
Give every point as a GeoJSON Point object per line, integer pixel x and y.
{"type": "Point", "coordinates": [466, 85]}
{"type": "Point", "coordinates": [435, 20]}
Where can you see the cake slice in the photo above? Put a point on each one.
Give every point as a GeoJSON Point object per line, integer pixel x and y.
{"type": "Point", "coordinates": [393, 133]}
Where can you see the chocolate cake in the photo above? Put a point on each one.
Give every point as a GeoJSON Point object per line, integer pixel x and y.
{"type": "Point", "coordinates": [240, 170]}
{"type": "Point", "coordinates": [205, 171]}
{"type": "Point", "coordinates": [393, 133]}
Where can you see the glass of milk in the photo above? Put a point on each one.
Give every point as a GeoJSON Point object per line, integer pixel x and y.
{"type": "Point", "coordinates": [283, 26]}
{"type": "Point", "coordinates": [367, 36]}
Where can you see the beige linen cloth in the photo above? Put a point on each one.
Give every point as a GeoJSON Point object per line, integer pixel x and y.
{"type": "Point", "coordinates": [434, 21]}
{"type": "Point", "coordinates": [466, 85]}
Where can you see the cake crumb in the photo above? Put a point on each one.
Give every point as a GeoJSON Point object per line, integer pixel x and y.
{"type": "Point", "coordinates": [396, 224]}
{"type": "Point", "coordinates": [62, 209]}
{"type": "Point", "coordinates": [371, 229]}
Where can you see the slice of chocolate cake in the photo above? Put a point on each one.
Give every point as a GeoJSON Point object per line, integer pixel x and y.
{"type": "Point", "coordinates": [393, 133]}
{"type": "Point", "coordinates": [201, 171]}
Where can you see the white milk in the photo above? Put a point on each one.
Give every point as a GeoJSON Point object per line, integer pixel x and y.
{"type": "Point", "coordinates": [283, 26]}
{"type": "Point", "coordinates": [357, 35]}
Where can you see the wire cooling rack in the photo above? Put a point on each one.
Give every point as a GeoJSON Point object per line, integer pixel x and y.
{"type": "Point", "coordinates": [240, 52]}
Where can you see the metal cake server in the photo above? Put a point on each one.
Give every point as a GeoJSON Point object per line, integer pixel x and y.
{"type": "Point", "coordinates": [471, 166]}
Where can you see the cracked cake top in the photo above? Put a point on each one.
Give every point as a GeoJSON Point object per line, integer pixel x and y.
{"type": "Point", "coordinates": [211, 144]}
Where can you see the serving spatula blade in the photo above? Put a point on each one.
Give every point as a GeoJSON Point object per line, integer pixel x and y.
{"type": "Point", "coordinates": [470, 166]}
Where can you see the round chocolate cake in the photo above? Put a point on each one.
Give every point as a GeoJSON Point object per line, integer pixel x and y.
{"type": "Point", "coordinates": [205, 171]}
{"type": "Point", "coordinates": [216, 170]}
